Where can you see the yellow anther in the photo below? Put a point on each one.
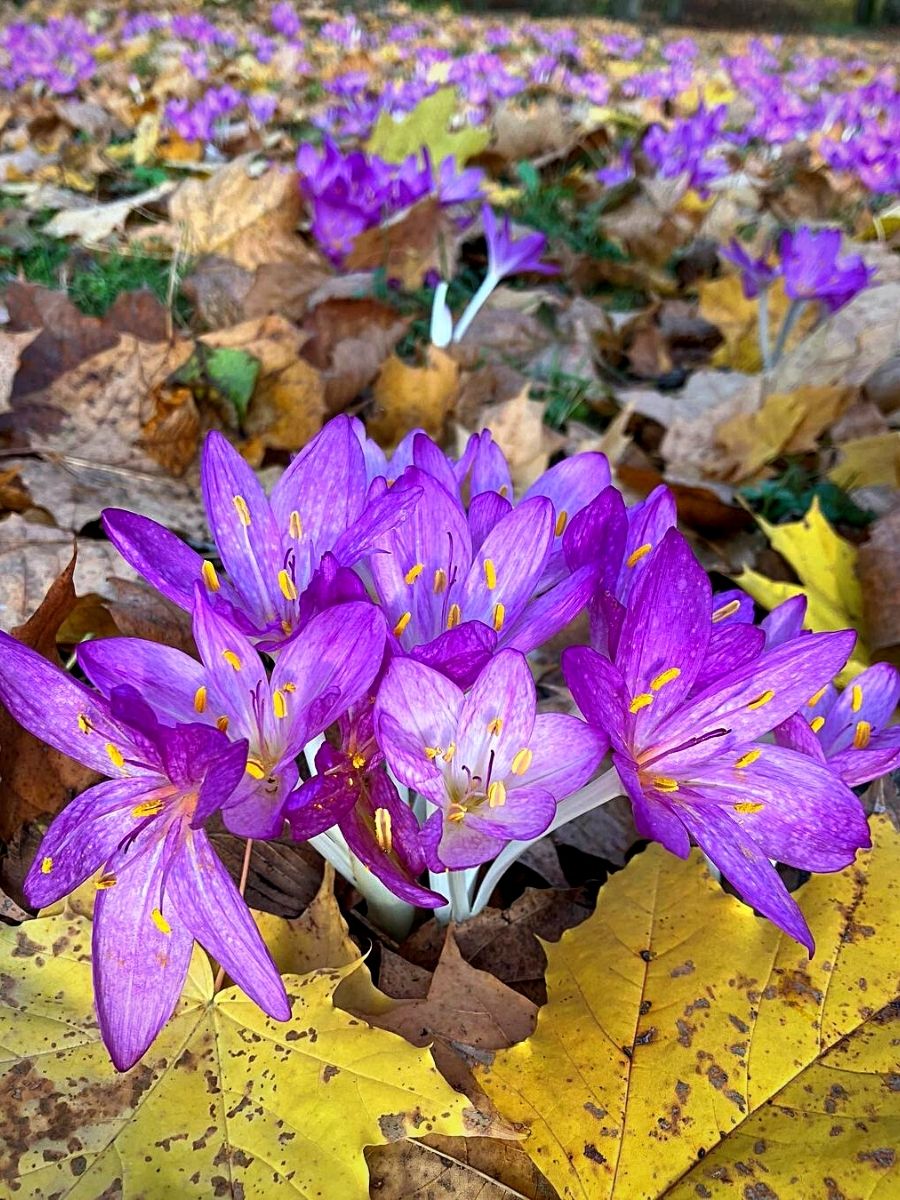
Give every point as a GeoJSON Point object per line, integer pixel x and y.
{"type": "Point", "coordinates": [105, 881]}
{"type": "Point", "coordinates": [440, 581]}
{"type": "Point", "coordinates": [726, 610]}
{"type": "Point", "coordinates": [522, 761]}
{"type": "Point", "coordinates": [455, 813]}
{"type": "Point", "coordinates": [663, 783]}
{"type": "Point", "coordinates": [495, 727]}
{"type": "Point", "coordinates": [232, 659]}
{"type": "Point", "coordinates": [288, 590]}
{"type": "Point", "coordinates": [856, 698]}
{"type": "Point", "coordinates": [222, 724]}
{"type": "Point", "coordinates": [295, 526]}
{"type": "Point", "coordinates": [210, 578]}
{"type": "Point", "coordinates": [433, 752]}
{"type": "Point", "coordinates": [498, 617]}
{"type": "Point", "coordinates": [814, 699]}
{"type": "Point", "coordinates": [642, 700]}
{"type": "Point", "coordinates": [816, 724]}
{"type": "Point", "coordinates": [402, 623]}
{"type": "Point", "coordinates": [243, 511]}
{"type": "Point", "coordinates": [279, 704]}
{"type": "Point", "coordinates": [561, 522]}
{"type": "Point", "coordinates": [287, 628]}
{"type": "Point", "coordinates": [762, 698]}
{"type": "Point", "coordinates": [200, 700]}
{"type": "Point", "coordinates": [490, 574]}
{"type": "Point", "coordinates": [359, 761]}
{"type": "Point", "coordinates": [504, 491]}
{"type": "Point", "coordinates": [449, 752]}
{"type": "Point", "coordinates": [383, 830]}
{"type": "Point", "coordinates": [861, 735]}
{"type": "Point", "coordinates": [746, 759]}
{"type": "Point", "coordinates": [496, 794]}
{"type": "Point", "coordinates": [148, 809]}
{"type": "Point", "coordinates": [116, 757]}
{"type": "Point", "coordinates": [454, 616]}
{"type": "Point", "coordinates": [663, 678]}
{"type": "Point", "coordinates": [160, 921]}
{"type": "Point", "coordinates": [288, 687]}
{"type": "Point", "coordinates": [413, 573]}
{"type": "Point", "coordinates": [46, 865]}
{"type": "Point", "coordinates": [255, 769]}
{"type": "Point", "coordinates": [747, 806]}
{"type": "Point", "coordinates": [84, 723]}
{"type": "Point", "coordinates": [636, 555]}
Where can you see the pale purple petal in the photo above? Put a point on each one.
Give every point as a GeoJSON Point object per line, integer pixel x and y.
{"type": "Point", "coordinates": [544, 617]}
{"type": "Point", "coordinates": [510, 562]}
{"type": "Point", "coordinates": [167, 678]}
{"type": "Point", "coordinates": [485, 511]}
{"type": "Point", "coordinates": [730, 646]}
{"type": "Point", "coordinates": [459, 653]}
{"type": "Point", "coordinates": [405, 730]}
{"type": "Point", "coordinates": [880, 756]}
{"type": "Point", "coordinates": [871, 697]}
{"type": "Point", "coordinates": [497, 716]}
{"type": "Point", "coordinates": [653, 818]}
{"type": "Point", "coordinates": [233, 673]}
{"type": "Point", "coordinates": [598, 689]}
{"type": "Point", "coordinates": [162, 558]}
{"type": "Point", "coordinates": [784, 622]}
{"type": "Point", "coordinates": [565, 753]}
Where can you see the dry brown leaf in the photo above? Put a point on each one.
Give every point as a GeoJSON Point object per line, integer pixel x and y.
{"type": "Point", "coordinates": [878, 568]}
{"type": "Point", "coordinates": [708, 399]}
{"type": "Point", "coordinates": [439, 1168]}
{"type": "Point", "coordinates": [93, 224]}
{"type": "Point", "coordinates": [519, 430]}
{"type": "Point", "coordinates": [12, 347]}
{"type": "Point", "coordinates": [723, 304]}
{"type": "Point", "coordinates": [284, 875]}
{"type": "Point", "coordinates": [422, 239]}
{"type": "Point", "coordinates": [406, 397]}
{"type": "Point", "coordinates": [139, 611]}
{"type": "Point", "coordinates": [350, 339]}
{"type": "Point", "coordinates": [522, 133]}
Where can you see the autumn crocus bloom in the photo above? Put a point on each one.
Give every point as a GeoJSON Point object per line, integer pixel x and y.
{"type": "Point", "coordinates": [271, 547]}
{"type": "Point", "coordinates": [493, 768]}
{"type": "Point", "coordinates": [756, 273]}
{"type": "Point", "coordinates": [162, 885]}
{"type": "Point", "coordinates": [813, 269]}
{"type": "Point", "coordinates": [692, 764]}
{"type": "Point", "coordinates": [319, 674]}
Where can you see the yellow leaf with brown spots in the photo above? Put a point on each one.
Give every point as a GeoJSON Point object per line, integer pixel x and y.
{"type": "Point", "coordinates": [690, 1049]}
{"type": "Point", "coordinates": [225, 1103]}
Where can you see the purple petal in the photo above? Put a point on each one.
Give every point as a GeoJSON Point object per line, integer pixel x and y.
{"type": "Point", "coordinates": [405, 730]}
{"type": "Point", "coordinates": [460, 845]}
{"type": "Point", "coordinates": [255, 809]}
{"type": "Point", "coordinates": [880, 756]}
{"type": "Point", "coordinates": [648, 523]}
{"type": "Point", "coordinates": [596, 537]}
{"type": "Point", "coordinates": [233, 672]}
{"type": "Point", "coordinates": [653, 818]}
{"type": "Point", "coordinates": [526, 813]}
{"type": "Point", "coordinates": [784, 622]}
{"type": "Point", "coordinates": [507, 567]}
{"type": "Point", "coordinates": [565, 751]}
{"type": "Point", "coordinates": [485, 511]}
{"type": "Point", "coordinates": [167, 678]}
{"type": "Point", "coordinates": [544, 617]}
{"type": "Point", "coordinates": [497, 716]}
{"type": "Point", "coordinates": [218, 763]}
{"type": "Point", "coordinates": [383, 513]}
{"type": "Point", "coordinates": [732, 606]}
{"type": "Point", "coordinates": [429, 457]}
{"type": "Point", "coordinates": [871, 698]}
{"type": "Point", "coordinates": [730, 646]}
{"type": "Point", "coordinates": [459, 653]}
{"type": "Point", "coordinates": [317, 804]}
{"type": "Point", "coordinates": [598, 689]}
{"type": "Point", "coordinates": [795, 734]}
{"type": "Point", "coordinates": [163, 559]}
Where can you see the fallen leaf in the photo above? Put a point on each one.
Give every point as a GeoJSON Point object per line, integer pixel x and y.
{"type": "Point", "coordinates": [435, 1168]}
{"type": "Point", "coordinates": [868, 462]}
{"type": "Point", "coordinates": [723, 304]}
{"type": "Point", "coordinates": [139, 611]}
{"type": "Point", "coordinates": [284, 878]}
{"type": "Point", "coordinates": [12, 347]}
{"type": "Point", "coordinates": [523, 133]}
{"type": "Point", "coordinates": [688, 1044]}
{"type": "Point", "coordinates": [350, 340]}
{"type": "Point", "coordinates": [878, 569]}
{"type": "Point", "coordinates": [92, 225]}
{"type": "Point", "coordinates": [406, 397]}
{"type": "Point", "coordinates": [407, 247]}
{"type": "Point", "coordinates": [427, 127]}
{"type": "Point", "coordinates": [519, 430]}
{"type": "Point", "coordinates": [692, 416]}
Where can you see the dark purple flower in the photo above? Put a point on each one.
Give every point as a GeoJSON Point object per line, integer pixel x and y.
{"type": "Point", "coordinates": [756, 273]}
{"type": "Point", "coordinates": [813, 269]}
{"type": "Point", "coordinates": [508, 255]}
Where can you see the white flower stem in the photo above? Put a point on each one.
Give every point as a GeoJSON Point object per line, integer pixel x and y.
{"type": "Point", "coordinates": [475, 305]}
{"type": "Point", "coordinates": [762, 316]}
{"type": "Point", "coordinates": [790, 320]}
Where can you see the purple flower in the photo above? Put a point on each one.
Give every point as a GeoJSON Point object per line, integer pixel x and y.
{"type": "Point", "coordinates": [691, 762]}
{"type": "Point", "coordinates": [162, 885]}
{"type": "Point", "coordinates": [318, 676]}
{"type": "Point", "coordinates": [850, 730]}
{"type": "Point", "coordinates": [813, 270]}
{"type": "Point", "coordinates": [273, 548]}
{"type": "Point", "coordinates": [284, 19]}
{"type": "Point", "coordinates": [493, 768]}
{"type": "Point", "coordinates": [756, 273]}
{"type": "Point", "coordinates": [508, 255]}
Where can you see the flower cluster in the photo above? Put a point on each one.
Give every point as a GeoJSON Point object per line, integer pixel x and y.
{"type": "Point", "coordinates": [200, 121]}
{"type": "Point", "coordinates": [362, 679]}
{"type": "Point", "coordinates": [58, 55]}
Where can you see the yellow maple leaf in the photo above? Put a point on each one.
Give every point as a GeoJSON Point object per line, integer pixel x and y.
{"type": "Point", "coordinates": [407, 396]}
{"type": "Point", "coordinates": [723, 304]}
{"type": "Point", "coordinates": [689, 1048]}
{"type": "Point", "coordinates": [226, 1101]}
{"type": "Point", "coordinates": [826, 567]}
{"type": "Point", "coordinates": [427, 127]}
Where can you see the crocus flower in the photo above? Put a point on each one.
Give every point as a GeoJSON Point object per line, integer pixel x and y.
{"type": "Point", "coordinates": [692, 765]}
{"type": "Point", "coordinates": [271, 547]}
{"type": "Point", "coordinates": [813, 269]}
{"type": "Point", "coordinates": [508, 255]}
{"type": "Point", "coordinates": [493, 768]}
{"type": "Point", "coordinates": [850, 730]}
{"type": "Point", "coordinates": [162, 885]}
{"type": "Point", "coordinates": [756, 273]}
{"type": "Point", "coordinates": [322, 672]}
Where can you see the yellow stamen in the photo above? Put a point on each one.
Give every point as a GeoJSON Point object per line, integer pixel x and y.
{"type": "Point", "coordinates": [490, 574]}
{"type": "Point", "coordinates": [295, 526]}
{"type": "Point", "coordinates": [288, 590]}
{"type": "Point", "coordinates": [232, 659]}
{"type": "Point", "coordinates": [504, 491]}
{"type": "Point", "coordinates": [160, 921]}
{"type": "Point", "coordinates": [495, 727]}
{"type": "Point", "coordinates": [522, 761]}
{"type": "Point", "coordinates": [750, 757]}
{"type": "Point", "coordinates": [496, 794]}
{"type": "Point", "coordinates": [816, 724]}
{"type": "Point", "coordinates": [747, 806]}
{"type": "Point", "coordinates": [433, 752]}
{"type": "Point", "coordinates": [561, 522]}
{"type": "Point", "coordinates": [861, 735]}
{"type": "Point", "coordinates": [499, 616]}
{"type": "Point", "coordinates": [402, 623]}
{"type": "Point", "coordinates": [255, 769]}
{"type": "Point", "coordinates": [104, 882]}
{"type": "Point", "coordinates": [761, 699]}
{"type": "Point", "coordinates": [84, 723]}
{"type": "Point", "coordinates": [243, 511]}
{"type": "Point", "coordinates": [814, 699]}
{"type": "Point", "coordinates": [210, 578]}
{"type": "Point", "coordinates": [455, 813]}
{"type": "Point", "coordinates": [383, 830]}
{"type": "Point", "coordinates": [279, 704]}
{"type": "Point", "coordinates": [856, 697]}
{"type": "Point", "coordinates": [359, 761]}
{"type": "Point", "coordinates": [663, 678]}
{"type": "Point", "coordinates": [454, 616]}
{"type": "Point", "coordinates": [664, 784]}
{"type": "Point", "coordinates": [640, 701]}
{"type": "Point", "coordinates": [440, 581]}
{"type": "Point", "coordinates": [116, 757]}
{"type": "Point", "coordinates": [148, 809]}
{"type": "Point", "coordinates": [289, 687]}
{"type": "Point", "coordinates": [413, 573]}
{"type": "Point", "coordinates": [200, 700]}
{"type": "Point", "coordinates": [286, 628]}
{"type": "Point", "coordinates": [449, 752]}
{"type": "Point", "coordinates": [222, 724]}
{"type": "Point", "coordinates": [636, 555]}
{"type": "Point", "coordinates": [46, 865]}
{"type": "Point", "coordinates": [726, 610]}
